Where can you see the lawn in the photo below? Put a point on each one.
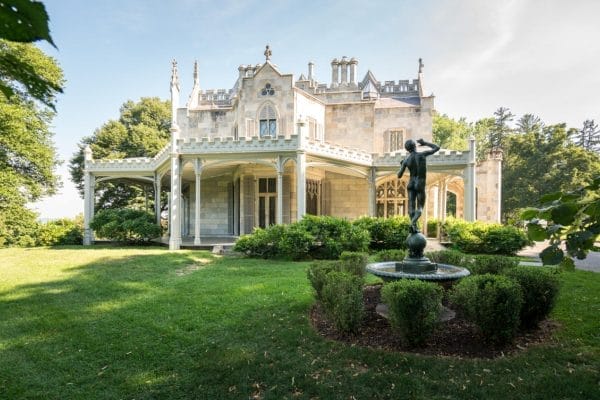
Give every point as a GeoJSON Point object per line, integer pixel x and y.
{"type": "Point", "coordinates": [145, 323]}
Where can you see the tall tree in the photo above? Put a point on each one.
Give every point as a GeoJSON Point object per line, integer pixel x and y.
{"type": "Point", "coordinates": [142, 130]}
{"type": "Point", "coordinates": [29, 83]}
{"type": "Point", "coordinates": [500, 130]}
{"type": "Point", "coordinates": [454, 134]}
{"type": "Point", "coordinates": [588, 137]}
{"type": "Point", "coordinates": [540, 162]}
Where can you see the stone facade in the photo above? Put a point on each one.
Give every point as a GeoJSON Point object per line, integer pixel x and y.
{"type": "Point", "coordinates": [274, 148]}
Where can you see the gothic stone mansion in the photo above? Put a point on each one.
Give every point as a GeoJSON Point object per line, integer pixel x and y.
{"type": "Point", "coordinates": [275, 147]}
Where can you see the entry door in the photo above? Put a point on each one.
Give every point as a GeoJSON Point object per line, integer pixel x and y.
{"type": "Point", "coordinates": [267, 201]}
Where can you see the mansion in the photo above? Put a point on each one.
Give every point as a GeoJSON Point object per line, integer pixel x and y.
{"type": "Point", "coordinates": [276, 147]}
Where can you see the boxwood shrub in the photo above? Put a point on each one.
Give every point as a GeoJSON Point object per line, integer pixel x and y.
{"type": "Point", "coordinates": [540, 289]}
{"type": "Point", "coordinates": [492, 302]}
{"type": "Point", "coordinates": [354, 262]}
{"type": "Point", "coordinates": [414, 308]}
{"type": "Point", "coordinates": [390, 255]}
{"type": "Point", "coordinates": [386, 233]}
{"type": "Point", "coordinates": [491, 264]}
{"type": "Point", "coordinates": [485, 238]}
{"type": "Point", "coordinates": [342, 300]}
{"type": "Point", "coordinates": [318, 271]}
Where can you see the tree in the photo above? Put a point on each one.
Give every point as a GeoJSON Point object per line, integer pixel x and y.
{"type": "Point", "coordinates": [454, 134]}
{"type": "Point", "coordinates": [500, 129]}
{"type": "Point", "coordinates": [29, 83]}
{"type": "Point", "coordinates": [571, 218]}
{"type": "Point", "coordinates": [588, 137]}
{"type": "Point", "coordinates": [541, 161]}
{"type": "Point", "coordinates": [23, 73]}
{"type": "Point", "coordinates": [142, 130]}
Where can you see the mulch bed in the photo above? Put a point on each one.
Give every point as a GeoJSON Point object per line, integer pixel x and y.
{"type": "Point", "coordinates": [456, 338]}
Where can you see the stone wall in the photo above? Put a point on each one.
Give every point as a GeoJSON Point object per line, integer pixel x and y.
{"type": "Point", "coordinates": [348, 195]}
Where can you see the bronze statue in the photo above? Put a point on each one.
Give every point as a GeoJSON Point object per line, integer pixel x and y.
{"type": "Point", "coordinates": [417, 166]}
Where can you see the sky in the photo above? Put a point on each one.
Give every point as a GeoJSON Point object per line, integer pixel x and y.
{"type": "Point", "coordinates": [539, 57]}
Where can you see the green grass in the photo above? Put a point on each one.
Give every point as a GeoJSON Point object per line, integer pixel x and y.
{"type": "Point", "coordinates": [145, 323]}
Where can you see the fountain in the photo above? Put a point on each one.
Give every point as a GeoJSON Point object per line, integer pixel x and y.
{"type": "Point", "coordinates": [416, 265]}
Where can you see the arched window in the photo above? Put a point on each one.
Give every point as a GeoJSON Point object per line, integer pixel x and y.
{"type": "Point", "coordinates": [391, 198]}
{"type": "Point", "coordinates": [267, 121]}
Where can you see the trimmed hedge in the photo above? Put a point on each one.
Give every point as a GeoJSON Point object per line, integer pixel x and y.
{"type": "Point", "coordinates": [492, 302]}
{"type": "Point", "coordinates": [386, 233]}
{"type": "Point", "coordinates": [342, 299]}
{"type": "Point", "coordinates": [414, 308]}
{"type": "Point", "coordinates": [540, 290]}
{"type": "Point", "coordinates": [313, 237]}
{"type": "Point", "coordinates": [354, 262]}
{"type": "Point", "coordinates": [485, 238]}
{"type": "Point", "coordinates": [318, 271]}
{"type": "Point", "coordinates": [390, 255]}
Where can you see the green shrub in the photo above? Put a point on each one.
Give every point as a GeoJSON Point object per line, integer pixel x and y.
{"type": "Point", "coordinates": [540, 290]}
{"type": "Point", "coordinates": [354, 262]}
{"type": "Point", "coordinates": [492, 302]}
{"type": "Point", "coordinates": [334, 235]}
{"type": "Point", "coordinates": [125, 225]}
{"type": "Point", "coordinates": [490, 264]}
{"type": "Point", "coordinates": [451, 257]}
{"type": "Point", "coordinates": [485, 238]}
{"type": "Point", "coordinates": [60, 232]}
{"type": "Point", "coordinates": [386, 233]}
{"type": "Point", "coordinates": [432, 227]}
{"type": "Point", "coordinates": [318, 271]}
{"type": "Point", "coordinates": [414, 308]}
{"type": "Point", "coordinates": [342, 299]}
{"type": "Point", "coordinates": [390, 255]}
{"type": "Point", "coordinates": [294, 243]}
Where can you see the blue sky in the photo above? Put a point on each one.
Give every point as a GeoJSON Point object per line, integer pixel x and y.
{"type": "Point", "coordinates": [533, 56]}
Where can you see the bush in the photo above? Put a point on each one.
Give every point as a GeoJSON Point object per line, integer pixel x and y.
{"type": "Point", "coordinates": [490, 264]}
{"type": "Point", "coordinates": [485, 238]}
{"type": "Point", "coordinates": [414, 308]}
{"type": "Point", "coordinates": [60, 232]}
{"type": "Point", "coordinates": [432, 227]}
{"type": "Point", "coordinates": [451, 257]}
{"type": "Point", "coordinates": [540, 290]}
{"type": "Point", "coordinates": [492, 302]}
{"type": "Point", "coordinates": [354, 262]}
{"type": "Point", "coordinates": [385, 233]}
{"type": "Point", "coordinates": [294, 243]}
{"type": "Point", "coordinates": [390, 255]}
{"type": "Point", "coordinates": [318, 271]}
{"type": "Point", "coordinates": [125, 225]}
{"type": "Point", "coordinates": [342, 299]}
{"type": "Point", "coordinates": [334, 235]}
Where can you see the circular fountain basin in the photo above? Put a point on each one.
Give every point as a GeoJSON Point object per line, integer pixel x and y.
{"type": "Point", "coordinates": [394, 270]}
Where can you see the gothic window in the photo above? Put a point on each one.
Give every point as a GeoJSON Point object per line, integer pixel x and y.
{"type": "Point", "coordinates": [395, 140]}
{"type": "Point", "coordinates": [267, 121]}
{"type": "Point", "coordinates": [267, 90]}
{"type": "Point", "coordinates": [313, 196]}
{"type": "Point", "coordinates": [391, 198]}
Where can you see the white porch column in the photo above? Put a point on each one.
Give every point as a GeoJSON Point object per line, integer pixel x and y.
{"type": "Point", "coordinates": [279, 207]}
{"type": "Point", "coordinates": [198, 168]}
{"type": "Point", "coordinates": [176, 212]}
{"type": "Point", "coordinates": [88, 201]}
{"type": "Point", "coordinates": [157, 188]}
{"type": "Point", "coordinates": [300, 184]}
{"type": "Point", "coordinates": [470, 184]}
{"type": "Point", "coordinates": [372, 192]}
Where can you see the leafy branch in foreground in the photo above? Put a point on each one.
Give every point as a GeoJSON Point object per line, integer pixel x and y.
{"type": "Point", "coordinates": [569, 217]}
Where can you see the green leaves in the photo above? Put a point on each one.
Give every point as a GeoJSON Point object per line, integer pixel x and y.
{"type": "Point", "coordinates": [24, 21]}
{"type": "Point", "coordinates": [551, 255]}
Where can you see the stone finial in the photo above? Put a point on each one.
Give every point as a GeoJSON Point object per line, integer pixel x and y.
{"type": "Point", "coordinates": [87, 153]}
{"type": "Point", "coordinates": [267, 53]}
{"type": "Point", "coordinates": [174, 75]}
{"type": "Point", "coordinates": [421, 65]}
{"type": "Point", "coordinates": [196, 79]}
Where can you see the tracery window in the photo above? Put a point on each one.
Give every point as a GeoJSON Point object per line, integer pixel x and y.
{"type": "Point", "coordinates": [395, 140]}
{"type": "Point", "coordinates": [391, 198]}
{"type": "Point", "coordinates": [267, 121]}
{"type": "Point", "coordinates": [267, 90]}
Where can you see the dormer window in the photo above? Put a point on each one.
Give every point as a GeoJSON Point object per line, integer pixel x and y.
{"type": "Point", "coordinates": [267, 90]}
